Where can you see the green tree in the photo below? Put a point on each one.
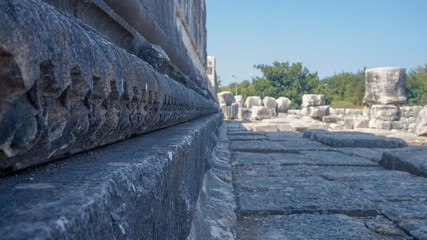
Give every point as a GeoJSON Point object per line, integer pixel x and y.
{"type": "Point", "coordinates": [416, 86]}
{"type": "Point", "coordinates": [284, 79]}
{"type": "Point", "coordinates": [344, 90]}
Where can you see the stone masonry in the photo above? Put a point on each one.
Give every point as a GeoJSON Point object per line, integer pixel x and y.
{"type": "Point", "coordinates": [108, 118]}
{"type": "Point", "coordinates": [325, 185]}
{"type": "Point", "coordinates": [66, 88]}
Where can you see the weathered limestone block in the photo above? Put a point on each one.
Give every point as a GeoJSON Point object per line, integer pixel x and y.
{"type": "Point", "coordinates": [65, 89]}
{"type": "Point", "coordinates": [273, 113]}
{"type": "Point", "coordinates": [386, 112]}
{"type": "Point", "coordinates": [230, 112]}
{"type": "Point", "coordinates": [353, 112]}
{"type": "Point", "coordinates": [244, 113]}
{"type": "Point", "coordinates": [226, 97]}
{"type": "Point", "coordinates": [269, 102]}
{"type": "Point", "coordinates": [239, 100]}
{"type": "Point", "coordinates": [313, 100]}
{"type": "Point", "coordinates": [348, 123]}
{"type": "Point", "coordinates": [421, 124]}
{"type": "Point", "coordinates": [396, 125]}
{"type": "Point", "coordinates": [339, 111]}
{"type": "Point", "coordinates": [412, 111]}
{"type": "Point", "coordinates": [283, 104]}
{"type": "Point", "coordinates": [252, 101]}
{"type": "Point", "coordinates": [380, 124]}
{"type": "Point", "coordinates": [330, 119]}
{"type": "Point", "coordinates": [361, 122]}
{"type": "Point", "coordinates": [294, 112]}
{"type": "Point", "coordinates": [385, 86]}
{"type": "Point", "coordinates": [318, 111]}
{"type": "Point", "coordinates": [260, 112]}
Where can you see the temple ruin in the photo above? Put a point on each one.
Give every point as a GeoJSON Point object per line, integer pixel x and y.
{"type": "Point", "coordinates": [111, 128]}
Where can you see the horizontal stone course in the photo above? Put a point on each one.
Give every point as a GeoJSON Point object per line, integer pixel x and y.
{"type": "Point", "coordinates": [142, 188]}
{"type": "Point", "coordinates": [68, 89]}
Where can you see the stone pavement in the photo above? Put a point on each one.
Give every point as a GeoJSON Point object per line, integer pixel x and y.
{"type": "Point", "coordinates": [289, 185]}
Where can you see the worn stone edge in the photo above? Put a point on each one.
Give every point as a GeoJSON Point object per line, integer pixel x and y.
{"type": "Point", "coordinates": [215, 216]}
{"type": "Point", "coordinates": [156, 178]}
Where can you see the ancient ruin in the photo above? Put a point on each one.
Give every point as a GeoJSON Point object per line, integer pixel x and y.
{"type": "Point", "coordinates": [80, 75]}
{"type": "Point", "coordinates": [111, 128]}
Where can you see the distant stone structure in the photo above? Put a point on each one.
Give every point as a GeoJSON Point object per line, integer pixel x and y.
{"type": "Point", "coordinates": [314, 105]}
{"type": "Point", "coordinates": [385, 93]}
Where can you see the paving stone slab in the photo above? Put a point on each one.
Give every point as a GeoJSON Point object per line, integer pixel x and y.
{"type": "Point", "coordinates": [410, 215]}
{"type": "Point", "coordinates": [373, 154]}
{"type": "Point", "coordinates": [241, 158]}
{"type": "Point", "coordinates": [283, 136]}
{"type": "Point", "coordinates": [314, 226]}
{"type": "Point", "coordinates": [410, 159]}
{"type": "Point", "coordinates": [274, 146]}
{"type": "Point", "coordinates": [300, 194]}
{"type": "Point", "coordinates": [377, 184]}
{"type": "Point", "coordinates": [247, 172]}
{"type": "Point", "coordinates": [246, 137]}
{"type": "Point", "coordinates": [323, 158]}
{"type": "Point", "coordinates": [353, 139]}
{"type": "Point", "coordinates": [244, 132]}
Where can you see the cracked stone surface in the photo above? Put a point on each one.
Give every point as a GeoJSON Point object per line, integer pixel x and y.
{"type": "Point", "coordinates": [292, 186]}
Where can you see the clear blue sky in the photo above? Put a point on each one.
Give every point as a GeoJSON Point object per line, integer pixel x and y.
{"type": "Point", "coordinates": [327, 36]}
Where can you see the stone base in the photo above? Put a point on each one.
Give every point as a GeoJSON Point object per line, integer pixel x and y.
{"type": "Point", "coordinates": [142, 188]}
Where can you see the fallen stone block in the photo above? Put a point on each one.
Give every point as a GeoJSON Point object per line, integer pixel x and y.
{"type": "Point", "coordinates": [284, 127]}
{"type": "Point", "coordinates": [385, 86]}
{"type": "Point", "coordinates": [226, 98]}
{"type": "Point", "coordinates": [396, 125]}
{"type": "Point", "coordinates": [353, 111]}
{"type": "Point", "coordinates": [265, 128]}
{"type": "Point", "coordinates": [260, 112]}
{"type": "Point", "coordinates": [319, 125]}
{"type": "Point", "coordinates": [361, 122]}
{"type": "Point", "coordinates": [313, 100]}
{"type": "Point", "coordinates": [348, 123]}
{"type": "Point", "coordinates": [421, 124]}
{"type": "Point", "coordinates": [230, 112]}
{"type": "Point", "coordinates": [269, 102]}
{"type": "Point", "coordinates": [273, 113]}
{"type": "Point", "coordinates": [330, 119]}
{"type": "Point", "coordinates": [318, 111]}
{"type": "Point", "coordinates": [411, 111]}
{"type": "Point", "coordinates": [244, 114]}
{"type": "Point", "coordinates": [409, 159]}
{"type": "Point", "coordinates": [283, 104]}
{"type": "Point", "coordinates": [380, 124]}
{"type": "Point", "coordinates": [239, 100]}
{"type": "Point", "coordinates": [253, 101]}
{"type": "Point", "coordinates": [353, 139]}
{"type": "Point", "coordinates": [386, 112]}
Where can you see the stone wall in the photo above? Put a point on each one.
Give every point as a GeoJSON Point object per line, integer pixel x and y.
{"type": "Point", "coordinates": [67, 88]}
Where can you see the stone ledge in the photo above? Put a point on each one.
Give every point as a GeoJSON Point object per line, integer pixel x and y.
{"type": "Point", "coordinates": [410, 159]}
{"type": "Point", "coordinates": [353, 139]}
{"type": "Point", "coordinates": [142, 188]}
{"type": "Point", "coordinates": [66, 89]}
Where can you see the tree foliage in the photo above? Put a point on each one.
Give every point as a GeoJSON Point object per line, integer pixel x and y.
{"type": "Point", "coordinates": [344, 90]}
{"type": "Point", "coordinates": [416, 86]}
